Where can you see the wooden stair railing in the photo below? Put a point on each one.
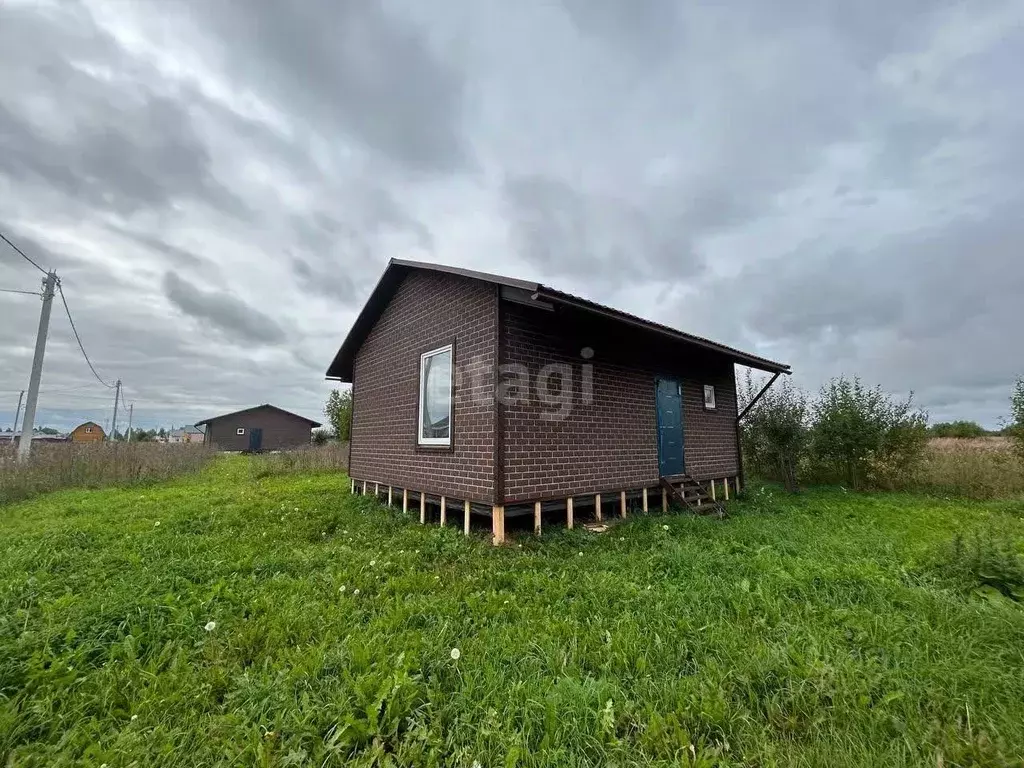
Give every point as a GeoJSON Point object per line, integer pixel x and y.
{"type": "Point", "coordinates": [688, 492]}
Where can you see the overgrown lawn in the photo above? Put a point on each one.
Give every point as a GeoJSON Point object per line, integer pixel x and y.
{"type": "Point", "coordinates": [829, 629]}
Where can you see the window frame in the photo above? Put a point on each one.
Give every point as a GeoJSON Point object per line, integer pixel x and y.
{"type": "Point", "coordinates": [239, 431]}
{"type": "Point", "coordinates": [436, 442]}
{"type": "Point", "coordinates": [710, 389]}
{"type": "Point", "coordinates": [88, 430]}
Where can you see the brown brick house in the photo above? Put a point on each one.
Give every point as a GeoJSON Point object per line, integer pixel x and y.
{"type": "Point", "coordinates": [260, 428]}
{"type": "Point", "coordinates": [89, 432]}
{"type": "Point", "coordinates": [476, 392]}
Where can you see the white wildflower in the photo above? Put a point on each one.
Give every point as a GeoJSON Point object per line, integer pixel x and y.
{"type": "Point", "coordinates": [476, 764]}
{"type": "Point", "coordinates": [664, 527]}
{"type": "Point", "coordinates": [134, 718]}
{"type": "Point", "coordinates": [210, 626]}
{"type": "Point", "coordinates": [341, 588]}
{"type": "Point", "coordinates": [355, 591]}
{"type": "Point", "coordinates": [456, 654]}
{"type": "Point", "coordinates": [296, 509]}
{"type": "Point", "coordinates": [156, 524]}
{"type": "Point", "coordinates": [581, 554]}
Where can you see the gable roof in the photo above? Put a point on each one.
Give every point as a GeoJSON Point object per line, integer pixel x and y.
{"type": "Point", "coordinates": [256, 408]}
{"type": "Point", "coordinates": [398, 269]}
{"type": "Point", "coordinates": [87, 424]}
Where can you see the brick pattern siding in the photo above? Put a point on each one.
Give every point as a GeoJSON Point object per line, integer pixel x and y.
{"type": "Point", "coordinates": [281, 431]}
{"type": "Point", "coordinates": [429, 310]}
{"type": "Point", "coordinates": [610, 444]}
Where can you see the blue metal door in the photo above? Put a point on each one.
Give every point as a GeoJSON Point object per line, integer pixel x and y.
{"type": "Point", "coordinates": [670, 427]}
{"type": "Point", "coordinates": [255, 439]}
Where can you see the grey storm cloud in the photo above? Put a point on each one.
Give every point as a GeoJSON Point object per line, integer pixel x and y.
{"type": "Point", "coordinates": [349, 64]}
{"type": "Point", "coordinates": [78, 116]}
{"type": "Point", "coordinates": [833, 184]}
{"type": "Point", "coordinates": [224, 311]}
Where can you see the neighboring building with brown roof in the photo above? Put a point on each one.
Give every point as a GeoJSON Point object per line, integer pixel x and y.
{"type": "Point", "coordinates": [89, 432]}
{"type": "Point", "coordinates": [592, 403]}
{"type": "Point", "coordinates": [260, 428]}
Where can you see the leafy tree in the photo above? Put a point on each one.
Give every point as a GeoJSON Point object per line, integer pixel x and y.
{"type": "Point", "coordinates": [857, 428]}
{"type": "Point", "coordinates": [321, 436]}
{"type": "Point", "coordinates": [338, 410]}
{"type": "Point", "coordinates": [775, 432]}
{"type": "Point", "coordinates": [1016, 426]}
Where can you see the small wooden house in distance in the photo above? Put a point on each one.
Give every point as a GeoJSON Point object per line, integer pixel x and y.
{"type": "Point", "coordinates": [89, 432]}
{"type": "Point", "coordinates": [260, 428]}
{"type": "Point", "coordinates": [480, 394]}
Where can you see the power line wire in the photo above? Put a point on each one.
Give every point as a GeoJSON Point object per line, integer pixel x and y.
{"type": "Point", "coordinates": [23, 254]}
{"type": "Point", "coordinates": [78, 338]}
{"type": "Point", "coordinates": [12, 290]}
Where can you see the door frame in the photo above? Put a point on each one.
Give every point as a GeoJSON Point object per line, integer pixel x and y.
{"type": "Point", "coordinates": [682, 420]}
{"type": "Point", "coordinates": [255, 432]}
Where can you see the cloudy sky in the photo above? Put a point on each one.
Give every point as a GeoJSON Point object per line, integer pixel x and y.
{"type": "Point", "coordinates": [219, 183]}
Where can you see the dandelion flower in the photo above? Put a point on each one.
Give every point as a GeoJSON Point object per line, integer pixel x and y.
{"type": "Point", "coordinates": [210, 626]}
{"type": "Point", "coordinates": [456, 654]}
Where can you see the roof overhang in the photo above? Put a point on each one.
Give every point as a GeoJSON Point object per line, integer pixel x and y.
{"type": "Point", "coordinates": [522, 292]}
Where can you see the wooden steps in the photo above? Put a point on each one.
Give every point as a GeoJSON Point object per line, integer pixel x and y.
{"type": "Point", "coordinates": [691, 494]}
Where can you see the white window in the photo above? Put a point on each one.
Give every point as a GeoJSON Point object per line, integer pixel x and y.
{"type": "Point", "coordinates": [709, 397]}
{"type": "Point", "coordinates": [435, 424]}
{"type": "Point", "coordinates": [88, 429]}
{"type": "Point", "coordinates": [240, 431]}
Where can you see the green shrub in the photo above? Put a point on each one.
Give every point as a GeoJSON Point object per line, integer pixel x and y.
{"type": "Point", "coordinates": [1016, 429]}
{"type": "Point", "coordinates": [775, 433]}
{"type": "Point", "coordinates": [863, 436]}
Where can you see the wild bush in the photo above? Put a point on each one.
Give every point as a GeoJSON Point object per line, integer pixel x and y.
{"type": "Point", "coordinates": [861, 435]}
{"type": "Point", "coordinates": [1015, 430]}
{"type": "Point", "coordinates": [775, 432]}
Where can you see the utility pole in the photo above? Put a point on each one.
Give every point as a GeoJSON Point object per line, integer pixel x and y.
{"type": "Point", "coordinates": [25, 444]}
{"type": "Point", "coordinates": [113, 423]}
{"type": "Point", "coordinates": [17, 413]}
{"type": "Point", "coordinates": [131, 412]}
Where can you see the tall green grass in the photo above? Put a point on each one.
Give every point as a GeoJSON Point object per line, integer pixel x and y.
{"type": "Point", "coordinates": [816, 630]}
{"type": "Point", "coordinates": [55, 466]}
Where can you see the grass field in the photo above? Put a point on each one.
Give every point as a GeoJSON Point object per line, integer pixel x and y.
{"type": "Point", "coordinates": [229, 618]}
